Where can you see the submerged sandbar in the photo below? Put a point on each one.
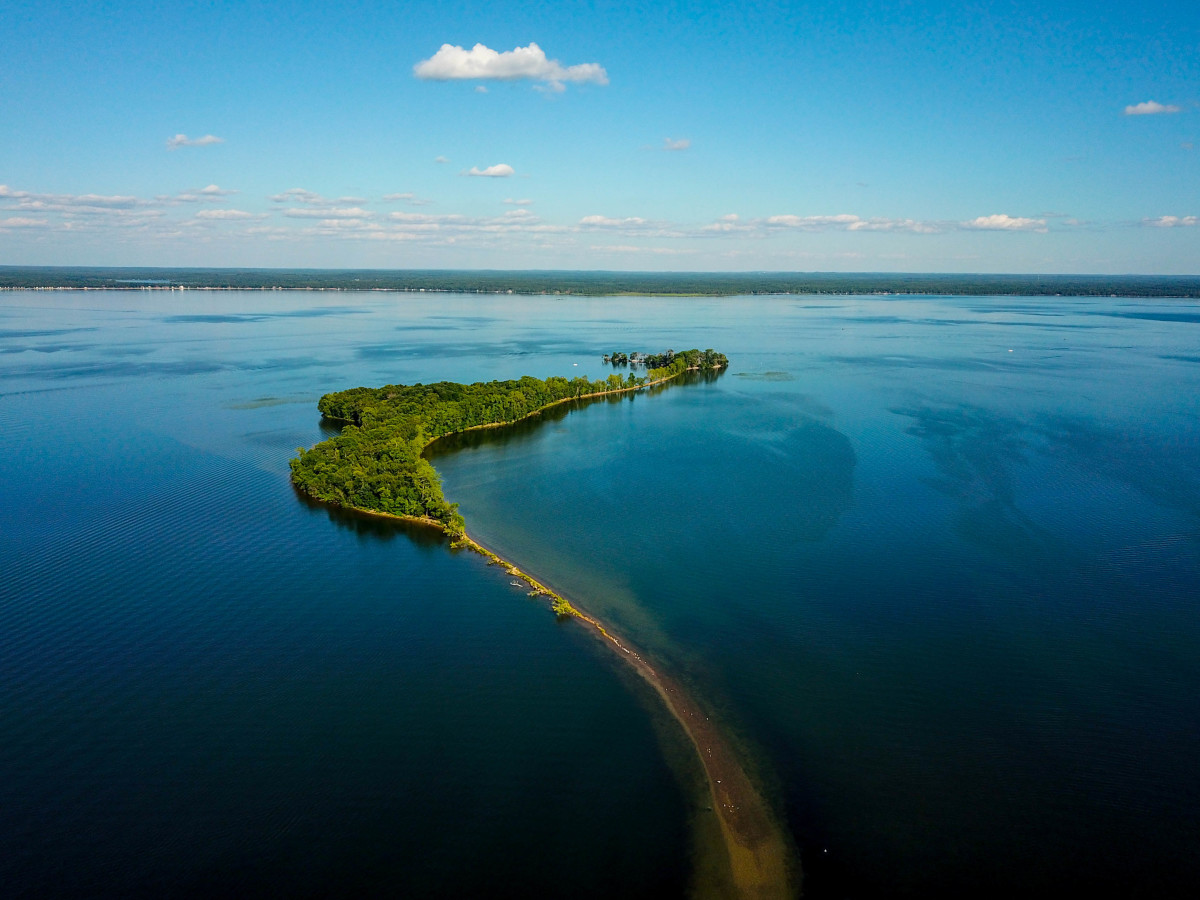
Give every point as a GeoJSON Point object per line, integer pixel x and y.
{"type": "Point", "coordinates": [377, 466]}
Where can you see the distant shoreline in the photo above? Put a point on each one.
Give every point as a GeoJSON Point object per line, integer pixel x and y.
{"type": "Point", "coordinates": [595, 284]}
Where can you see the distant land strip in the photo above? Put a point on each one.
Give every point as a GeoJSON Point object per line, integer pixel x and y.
{"type": "Point", "coordinates": [594, 284]}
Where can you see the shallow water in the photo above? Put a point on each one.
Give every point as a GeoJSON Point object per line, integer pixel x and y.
{"type": "Point", "coordinates": [931, 560]}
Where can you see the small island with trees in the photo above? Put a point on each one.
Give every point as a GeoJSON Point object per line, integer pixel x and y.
{"type": "Point", "coordinates": [376, 464]}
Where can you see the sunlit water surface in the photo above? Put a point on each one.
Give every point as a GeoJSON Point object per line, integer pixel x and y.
{"type": "Point", "coordinates": [933, 562]}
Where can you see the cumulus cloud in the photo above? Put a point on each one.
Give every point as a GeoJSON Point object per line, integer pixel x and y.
{"type": "Point", "coordinates": [1150, 108]}
{"type": "Point", "coordinates": [441, 159]}
{"type": "Point", "coordinates": [452, 63]}
{"type": "Point", "coordinates": [1172, 222]}
{"type": "Point", "coordinates": [1000, 222]}
{"type": "Point", "coordinates": [182, 140]}
{"type": "Point", "coordinates": [813, 223]}
{"type": "Point", "coordinates": [227, 214]}
{"type": "Point", "coordinates": [681, 144]}
{"type": "Point", "coordinates": [500, 170]}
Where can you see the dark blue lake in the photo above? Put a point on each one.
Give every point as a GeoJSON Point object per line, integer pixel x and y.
{"type": "Point", "coordinates": [933, 562]}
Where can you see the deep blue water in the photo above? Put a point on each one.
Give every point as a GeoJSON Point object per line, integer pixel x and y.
{"type": "Point", "coordinates": [933, 561]}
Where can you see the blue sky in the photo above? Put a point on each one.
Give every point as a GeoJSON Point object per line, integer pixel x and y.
{"type": "Point", "coordinates": [959, 137]}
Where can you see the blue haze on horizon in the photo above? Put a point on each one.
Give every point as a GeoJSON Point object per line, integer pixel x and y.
{"type": "Point", "coordinates": [976, 137]}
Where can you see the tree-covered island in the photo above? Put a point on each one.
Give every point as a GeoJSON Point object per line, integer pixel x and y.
{"type": "Point", "coordinates": [376, 463]}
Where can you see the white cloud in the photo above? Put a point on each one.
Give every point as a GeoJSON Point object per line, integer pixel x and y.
{"type": "Point", "coordinates": [77, 204]}
{"type": "Point", "coordinates": [407, 197]}
{"type": "Point", "coordinates": [297, 195]}
{"type": "Point", "coordinates": [21, 222]}
{"type": "Point", "coordinates": [681, 144]}
{"type": "Point", "coordinates": [657, 251]}
{"type": "Point", "coordinates": [441, 159]}
{"type": "Point", "coordinates": [182, 140]}
{"type": "Point", "coordinates": [1150, 108]}
{"type": "Point", "coordinates": [1172, 222]}
{"type": "Point", "coordinates": [606, 222]}
{"type": "Point", "coordinates": [500, 170]}
{"type": "Point", "coordinates": [300, 195]}
{"type": "Point", "coordinates": [726, 224]}
{"type": "Point", "coordinates": [523, 202]}
{"type": "Point", "coordinates": [227, 214]}
{"type": "Point", "coordinates": [481, 89]}
{"type": "Point", "coordinates": [911, 226]}
{"type": "Point", "coordinates": [452, 63]}
{"type": "Point", "coordinates": [813, 223]}
{"type": "Point", "coordinates": [329, 212]}
{"type": "Point", "coordinates": [211, 193]}
{"type": "Point", "coordinates": [1000, 222]}
{"type": "Point", "coordinates": [841, 222]}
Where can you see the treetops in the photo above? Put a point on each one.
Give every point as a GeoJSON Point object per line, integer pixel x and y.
{"type": "Point", "coordinates": [375, 463]}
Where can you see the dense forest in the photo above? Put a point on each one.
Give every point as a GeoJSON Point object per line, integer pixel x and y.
{"type": "Point", "coordinates": [376, 462]}
{"type": "Point", "coordinates": [596, 283]}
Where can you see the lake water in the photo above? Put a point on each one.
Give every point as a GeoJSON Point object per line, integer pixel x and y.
{"type": "Point", "coordinates": [932, 561]}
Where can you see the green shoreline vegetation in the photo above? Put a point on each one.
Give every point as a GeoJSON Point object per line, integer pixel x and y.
{"type": "Point", "coordinates": [377, 462]}
{"type": "Point", "coordinates": [376, 466]}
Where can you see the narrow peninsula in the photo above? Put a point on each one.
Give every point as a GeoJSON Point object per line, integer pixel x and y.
{"type": "Point", "coordinates": [376, 465]}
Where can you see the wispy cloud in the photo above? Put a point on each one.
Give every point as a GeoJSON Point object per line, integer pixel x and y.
{"type": "Point", "coordinates": [500, 170]}
{"type": "Point", "coordinates": [1172, 222]}
{"type": "Point", "coordinates": [681, 144]}
{"type": "Point", "coordinates": [23, 222]}
{"type": "Point", "coordinates": [1150, 108]}
{"type": "Point", "coordinates": [441, 159]}
{"type": "Point", "coordinates": [301, 195]}
{"type": "Point", "coordinates": [228, 214]}
{"type": "Point", "coordinates": [523, 202]}
{"type": "Point", "coordinates": [182, 140]}
{"type": "Point", "coordinates": [329, 212]}
{"type": "Point", "coordinates": [211, 194]}
{"type": "Point", "coordinates": [608, 222]}
{"type": "Point", "coordinates": [727, 224]}
{"type": "Point", "coordinates": [78, 203]}
{"type": "Point", "coordinates": [406, 197]}
{"type": "Point", "coordinates": [850, 222]}
{"type": "Point", "coordinates": [1001, 222]}
{"type": "Point", "coordinates": [481, 63]}
{"type": "Point", "coordinates": [631, 226]}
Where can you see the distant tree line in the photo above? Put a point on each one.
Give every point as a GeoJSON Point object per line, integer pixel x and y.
{"type": "Point", "coordinates": [599, 283]}
{"type": "Point", "coordinates": [375, 463]}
